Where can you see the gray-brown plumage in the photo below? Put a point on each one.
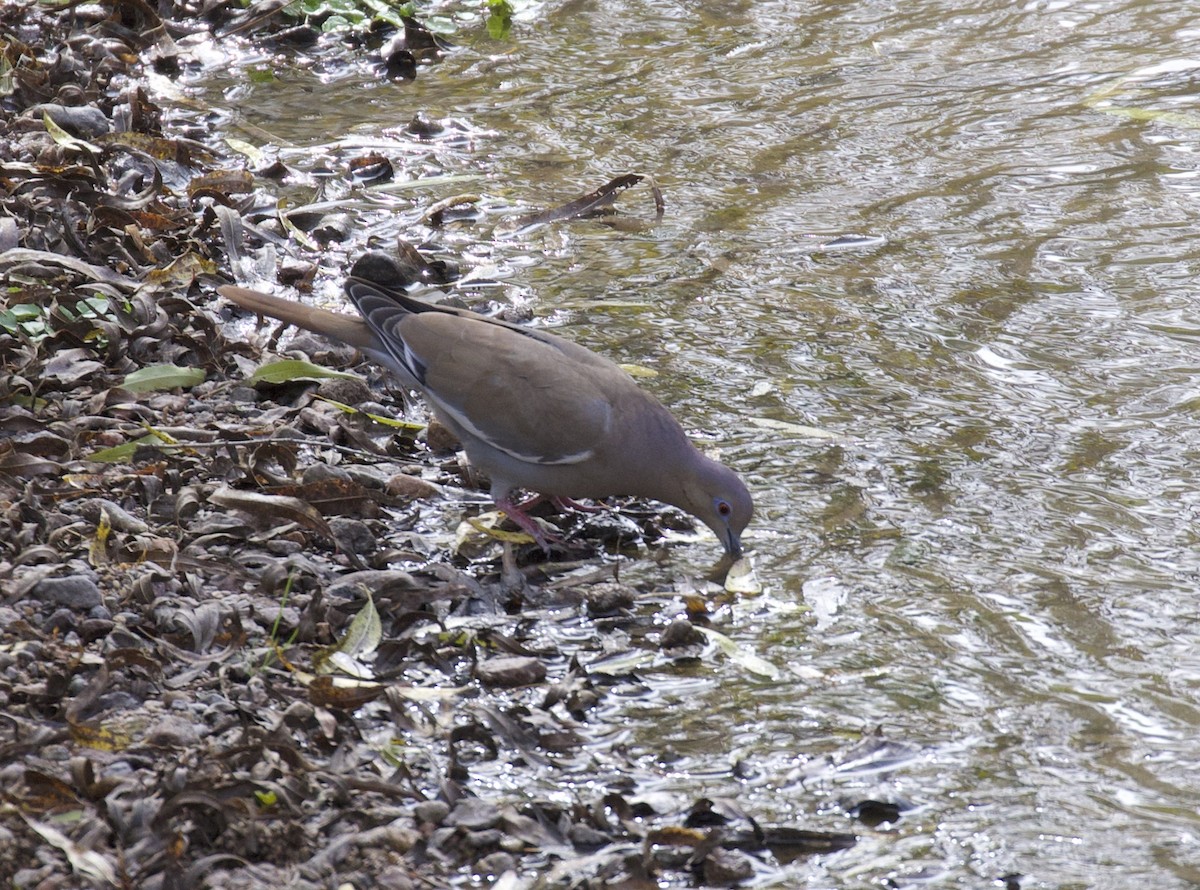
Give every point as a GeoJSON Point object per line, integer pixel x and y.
{"type": "Point", "coordinates": [532, 410]}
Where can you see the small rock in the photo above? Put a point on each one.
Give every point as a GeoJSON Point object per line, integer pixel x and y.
{"type": "Point", "coordinates": [283, 547]}
{"type": "Point", "coordinates": [496, 864]}
{"type": "Point", "coordinates": [242, 394]}
{"type": "Point", "coordinates": [171, 732]}
{"type": "Point", "coordinates": [62, 622]}
{"type": "Point", "coordinates": [350, 586]}
{"type": "Point", "coordinates": [74, 593]}
{"type": "Point", "coordinates": [424, 127]}
{"type": "Point", "coordinates": [296, 273]}
{"type": "Point", "coordinates": [679, 634]}
{"type": "Point", "coordinates": [332, 228]}
{"type": "Point", "coordinates": [353, 536]}
{"type": "Point", "coordinates": [320, 418]}
{"type": "Point", "coordinates": [367, 477]}
{"type": "Point", "coordinates": [612, 529]}
{"type": "Point", "coordinates": [344, 390]}
{"type": "Point", "coordinates": [608, 599]}
{"type": "Point", "coordinates": [727, 867]}
{"type": "Point", "coordinates": [586, 838]}
{"type": "Point", "coordinates": [321, 472]}
{"type": "Point", "coordinates": [394, 877]}
{"type": "Point", "coordinates": [474, 814]}
{"type": "Point", "coordinates": [95, 629]}
{"type": "Point", "coordinates": [431, 811]}
{"type": "Point", "coordinates": [439, 439]}
{"type": "Point", "coordinates": [82, 120]}
{"type": "Point", "coordinates": [487, 839]}
{"type": "Point", "coordinates": [511, 670]}
{"type": "Point", "coordinates": [410, 488]}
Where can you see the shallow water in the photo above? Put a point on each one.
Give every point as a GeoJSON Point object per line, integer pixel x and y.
{"type": "Point", "coordinates": [998, 551]}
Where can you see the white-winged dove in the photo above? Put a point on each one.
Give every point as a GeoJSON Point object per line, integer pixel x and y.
{"type": "Point", "coordinates": [532, 410]}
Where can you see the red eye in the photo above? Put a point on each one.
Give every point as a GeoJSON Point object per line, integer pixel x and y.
{"type": "Point", "coordinates": [723, 508]}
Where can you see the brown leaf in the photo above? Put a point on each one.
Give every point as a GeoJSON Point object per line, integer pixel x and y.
{"type": "Point", "coordinates": [602, 198]}
{"type": "Point", "coordinates": [269, 509]}
{"type": "Point", "coordinates": [325, 693]}
{"type": "Point", "coordinates": [333, 497]}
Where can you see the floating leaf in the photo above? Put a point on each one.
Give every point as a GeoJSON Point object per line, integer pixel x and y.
{"type": "Point", "coordinates": [245, 148]}
{"type": "Point", "coordinates": [585, 205]}
{"type": "Point", "coordinates": [428, 693]}
{"type": "Point", "coordinates": [798, 429]}
{"type": "Point", "coordinates": [155, 377]}
{"type": "Point", "coordinates": [740, 656]}
{"type": "Point", "coordinates": [412, 184]}
{"type": "Point", "coordinates": [499, 21]}
{"type": "Point", "coordinates": [741, 578]}
{"type": "Point", "coordinates": [638, 370]}
{"type": "Point", "coordinates": [287, 370]}
{"type": "Point", "coordinates": [848, 241]}
{"type": "Point", "coordinates": [1134, 84]}
{"type": "Point", "coordinates": [620, 662]}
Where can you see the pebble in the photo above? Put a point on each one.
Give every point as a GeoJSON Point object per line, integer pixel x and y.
{"type": "Point", "coordinates": [75, 592]}
{"type": "Point", "coordinates": [511, 670]}
{"type": "Point", "coordinates": [353, 535]}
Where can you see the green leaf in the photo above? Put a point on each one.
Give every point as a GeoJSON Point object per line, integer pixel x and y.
{"type": "Point", "coordinates": [638, 370]}
{"type": "Point", "coordinates": [499, 22]}
{"type": "Point", "coordinates": [155, 377]}
{"type": "Point", "coordinates": [295, 231]}
{"type": "Point", "coordinates": [289, 369]}
{"type": "Point", "coordinates": [362, 638]}
{"type": "Point", "coordinates": [26, 318]}
{"type": "Point", "coordinates": [408, 425]}
{"type": "Point", "coordinates": [122, 453]}
{"type": "Point", "coordinates": [66, 140]}
{"type": "Point", "coordinates": [119, 453]}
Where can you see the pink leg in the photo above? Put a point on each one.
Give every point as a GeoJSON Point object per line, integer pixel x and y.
{"type": "Point", "coordinates": [517, 514]}
{"type": "Point", "coordinates": [569, 504]}
{"type": "Point", "coordinates": [563, 504]}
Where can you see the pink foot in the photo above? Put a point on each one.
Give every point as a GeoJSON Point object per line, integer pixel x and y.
{"type": "Point", "coordinates": [570, 504]}
{"type": "Point", "coordinates": [563, 504]}
{"type": "Point", "coordinates": [516, 512]}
